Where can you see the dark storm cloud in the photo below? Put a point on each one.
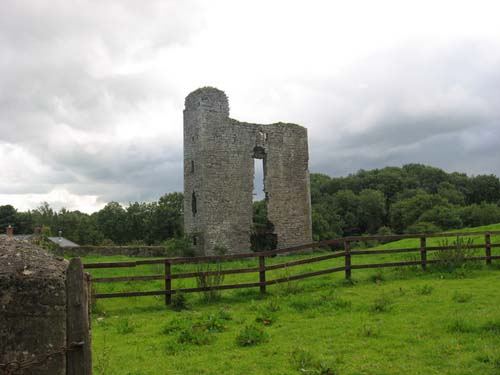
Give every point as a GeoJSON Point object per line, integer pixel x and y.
{"type": "Point", "coordinates": [90, 99]}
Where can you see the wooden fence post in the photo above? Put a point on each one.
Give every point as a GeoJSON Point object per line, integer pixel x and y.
{"type": "Point", "coordinates": [423, 252]}
{"type": "Point", "coordinates": [168, 283]}
{"type": "Point", "coordinates": [79, 354]}
{"type": "Point", "coordinates": [347, 247]}
{"type": "Point", "coordinates": [487, 243]}
{"type": "Point", "coordinates": [262, 273]}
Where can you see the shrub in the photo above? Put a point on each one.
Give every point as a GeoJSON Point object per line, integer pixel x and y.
{"type": "Point", "coordinates": [195, 335]}
{"type": "Point", "coordinates": [224, 314]}
{"type": "Point", "coordinates": [213, 323]}
{"type": "Point", "coordinates": [454, 258]}
{"type": "Point", "coordinates": [209, 277]}
{"type": "Point", "coordinates": [251, 335]}
{"type": "Point", "coordinates": [423, 227]}
{"type": "Point", "coordinates": [178, 302]}
{"type": "Point", "coordinates": [180, 246]}
{"type": "Point", "coordinates": [176, 325]}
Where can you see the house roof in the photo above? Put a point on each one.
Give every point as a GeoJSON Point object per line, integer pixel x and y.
{"type": "Point", "coordinates": [63, 242]}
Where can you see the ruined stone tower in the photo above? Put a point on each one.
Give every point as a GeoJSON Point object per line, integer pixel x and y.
{"type": "Point", "coordinates": [219, 157]}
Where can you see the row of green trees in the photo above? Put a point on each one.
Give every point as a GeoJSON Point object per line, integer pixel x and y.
{"type": "Point", "coordinates": [412, 199]}
{"type": "Point", "coordinates": [138, 223]}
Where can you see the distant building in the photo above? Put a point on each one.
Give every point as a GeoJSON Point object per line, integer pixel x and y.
{"type": "Point", "coordinates": [60, 241]}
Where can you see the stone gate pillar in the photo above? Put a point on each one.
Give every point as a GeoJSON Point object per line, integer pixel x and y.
{"type": "Point", "coordinates": [34, 312]}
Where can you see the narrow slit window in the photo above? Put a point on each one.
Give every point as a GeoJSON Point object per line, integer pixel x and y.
{"type": "Point", "coordinates": [193, 204]}
{"type": "Point", "coordinates": [192, 166]}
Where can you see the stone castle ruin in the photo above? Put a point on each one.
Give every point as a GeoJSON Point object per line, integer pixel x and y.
{"type": "Point", "coordinates": [219, 155]}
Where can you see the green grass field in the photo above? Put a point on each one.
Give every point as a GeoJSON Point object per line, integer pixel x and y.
{"type": "Point", "coordinates": [399, 320]}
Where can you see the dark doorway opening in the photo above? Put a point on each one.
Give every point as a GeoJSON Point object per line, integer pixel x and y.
{"type": "Point", "coordinates": [262, 236]}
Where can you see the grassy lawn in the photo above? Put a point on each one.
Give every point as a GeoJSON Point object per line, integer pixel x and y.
{"type": "Point", "coordinates": [399, 320]}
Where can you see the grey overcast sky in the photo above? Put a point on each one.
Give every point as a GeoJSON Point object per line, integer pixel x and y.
{"type": "Point", "coordinates": [92, 92]}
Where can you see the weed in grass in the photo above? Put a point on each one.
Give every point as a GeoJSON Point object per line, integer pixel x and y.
{"type": "Point", "coordinates": [178, 302]}
{"type": "Point", "coordinates": [290, 286]}
{"type": "Point", "coordinates": [124, 327]}
{"type": "Point", "coordinates": [102, 358]}
{"type": "Point", "coordinates": [172, 346]}
{"type": "Point", "coordinates": [266, 315]}
{"type": "Point", "coordinates": [302, 359]}
{"type": "Point", "coordinates": [300, 304]}
{"type": "Point", "coordinates": [306, 363]}
{"type": "Point", "coordinates": [213, 323]}
{"type": "Point", "coordinates": [195, 335]}
{"type": "Point", "coordinates": [224, 314]}
{"type": "Point", "coordinates": [251, 335]}
{"type": "Point", "coordinates": [176, 325]}
{"type": "Point", "coordinates": [369, 331]}
{"type": "Point", "coordinates": [377, 277]}
{"type": "Point", "coordinates": [273, 305]}
{"type": "Point", "coordinates": [339, 303]}
{"type": "Point", "coordinates": [425, 290]}
{"type": "Point", "coordinates": [461, 297]}
{"type": "Point", "coordinates": [492, 326]}
{"type": "Point", "coordinates": [382, 303]}
{"type": "Point", "coordinates": [461, 326]}
{"type": "Point", "coordinates": [492, 357]}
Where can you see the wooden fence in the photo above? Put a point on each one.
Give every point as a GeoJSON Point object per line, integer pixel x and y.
{"type": "Point", "coordinates": [347, 253]}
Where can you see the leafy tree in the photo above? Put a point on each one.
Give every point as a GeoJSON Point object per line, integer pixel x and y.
{"type": "Point", "coordinates": [484, 189]}
{"type": "Point", "coordinates": [451, 193]}
{"type": "Point", "coordinates": [483, 214]}
{"type": "Point", "coordinates": [407, 211]}
{"type": "Point", "coordinates": [112, 222]}
{"type": "Point", "coordinates": [346, 205]}
{"type": "Point", "coordinates": [423, 227]}
{"type": "Point", "coordinates": [8, 216]}
{"type": "Point", "coordinates": [371, 210]}
{"type": "Point", "coordinates": [445, 217]}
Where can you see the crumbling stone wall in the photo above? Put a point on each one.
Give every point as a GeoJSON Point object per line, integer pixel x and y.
{"type": "Point", "coordinates": [219, 175]}
{"type": "Point", "coordinates": [130, 251]}
{"type": "Point", "coordinates": [35, 307]}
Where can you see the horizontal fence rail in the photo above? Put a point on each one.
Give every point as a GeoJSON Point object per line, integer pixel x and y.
{"type": "Point", "coordinates": [347, 253]}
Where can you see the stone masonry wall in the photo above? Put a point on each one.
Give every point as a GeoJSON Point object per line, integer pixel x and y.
{"type": "Point", "coordinates": [219, 175]}
{"type": "Point", "coordinates": [131, 251]}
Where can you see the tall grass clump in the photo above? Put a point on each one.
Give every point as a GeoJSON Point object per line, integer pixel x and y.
{"type": "Point", "coordinates": [210, 276]}
{"type": "Point", "coordinates": [307, 363]}
{"type": "Point", "coordinates": [251, 335]}
{"type": "Point", "coordinates": [456, 257]}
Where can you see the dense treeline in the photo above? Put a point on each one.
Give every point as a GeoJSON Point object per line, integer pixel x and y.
{"type": "Point", "coordinates": [138, 223]}
{"type": "Point", "coordinates": [412, 199]}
